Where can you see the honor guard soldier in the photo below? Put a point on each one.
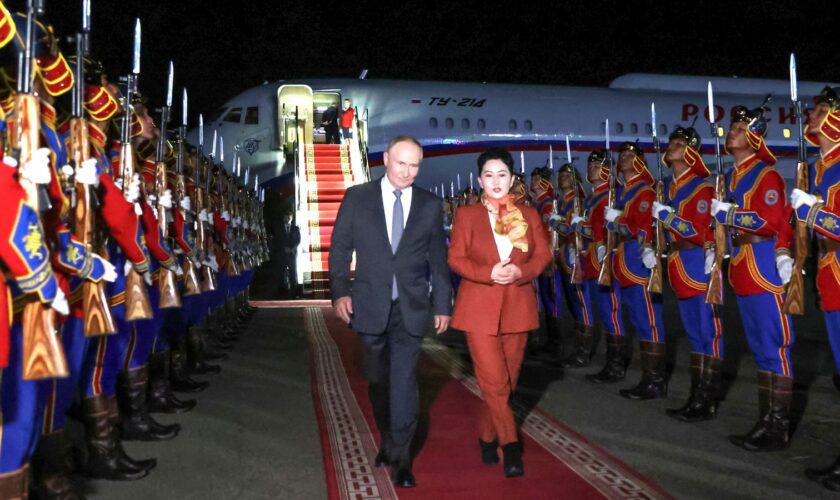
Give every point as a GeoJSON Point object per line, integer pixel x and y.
{"type": "Point", "coordinates": [632, 220]}
{"type": "Point", "coordinates": [687, 217]}
{"type": "Point", "coordinates": [542, 193]}
{"type": "Point", "coordinates": [569, 279]}
{"type": "Point", "coordinates": [758, 217]}
{"type": "Point", "coordinates": [820, 209]}
{"type": "Point", "coordinates": [608, 298]}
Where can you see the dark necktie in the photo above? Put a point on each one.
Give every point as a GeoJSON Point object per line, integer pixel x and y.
{"type": "Point", "coordinates": [396, 234]}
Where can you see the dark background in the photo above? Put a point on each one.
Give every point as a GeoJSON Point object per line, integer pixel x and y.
{"type": "Point", "coordinates": [222, 48]}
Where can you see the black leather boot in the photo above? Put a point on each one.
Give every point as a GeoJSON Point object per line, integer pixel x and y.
{"type": "Point", "coordinates": [195, 355]}
{"type": "Point", "coordinates": [774, 432]}
{"type": "Point", "coordinates": [489, 452]}
{"type": "Point", "coordinates": [830, 474]}
{"type": "Point", "coordinates": [512, 453]}
{"type": "Point", "coordinates": [161, 397]}
{"type": "Point", "coordinates": [51, 477]}
{"type": "Point", "coordinates": [765, 382]}
{"type": "Point", "coordinates": [615, 367]}
{"type": "Point", "coordinates": [696, 366]}
{"type": "Point", "coordinates": [15, 484]}
{"type": "Point", "coordinates": [654, 382]}
{"type": "Point", "coordinates": [705, 403]}
{"type": "Point", "coordinates": [136, 423]}
{"type": "Point", "coordinates": [179, 379]}
{"type": "Point", "coordinates": [106, 457]}
{"type": "Point", "coordinates": [582, 353]}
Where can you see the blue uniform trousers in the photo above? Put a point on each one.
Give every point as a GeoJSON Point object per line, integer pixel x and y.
{"type": "Point", "coordinates": [702, 323]}
{"type": "Point", "coordinates": [769, 331]}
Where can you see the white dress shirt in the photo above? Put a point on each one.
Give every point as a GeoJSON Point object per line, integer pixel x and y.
{"type": "Point", "coordinates": [503, 243]}
{"type": "Point", "coordinates": [388, 198]}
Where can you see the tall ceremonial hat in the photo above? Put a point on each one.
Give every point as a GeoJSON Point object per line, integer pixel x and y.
{"type": "Point", "coordinates": [98, 102]}
{"type": "Point", "coordinates": [756, 129]}
{"type": "Point", "coordinates": [600, 157]}
{"type": "Point", "coordinates": [691, 156]}
{"type": "Point", "coordinates": [830, 126]}
{"type": "Point", "coordinates": [519, 188]}
{"type": "Point", "coordinates": [568, 168]}
{"type": "Point", "coordinates": [543, 176]}
{"type": "Point", "coordinates": [639, 163]}
{"type": "Point", "coordinates": [50, 65]}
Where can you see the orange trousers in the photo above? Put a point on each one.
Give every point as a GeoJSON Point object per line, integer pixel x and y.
{"type": "Point", "coordinates": [496, 361]}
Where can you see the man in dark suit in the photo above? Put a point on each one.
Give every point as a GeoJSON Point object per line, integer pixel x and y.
{"type": "Point", "coordinates": [401, 286]}
{"type": "Point", "coordinates": [288, 238]}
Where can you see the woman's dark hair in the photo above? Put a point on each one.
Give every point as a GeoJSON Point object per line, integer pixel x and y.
{"type": "Point", "coordinates": [495, 154]}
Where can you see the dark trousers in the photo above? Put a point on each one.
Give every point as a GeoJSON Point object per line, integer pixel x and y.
{"type": "Point", "coordinates": [390, 364]}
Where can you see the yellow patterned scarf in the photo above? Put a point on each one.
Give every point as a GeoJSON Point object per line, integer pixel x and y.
{"type": "Point", "coordinates": [509, 220]}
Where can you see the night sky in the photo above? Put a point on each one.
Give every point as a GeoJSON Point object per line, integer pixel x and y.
{"type": "Point", "coordinates": [220, 51]}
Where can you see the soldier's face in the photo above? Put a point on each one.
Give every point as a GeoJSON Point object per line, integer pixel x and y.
{"type": "Point", "coordinates": [565, 180]}
{"type": "Point", "coordinates": [625, 163]}
{"type": "Point", "coordinates": [675, 150]}
{"type": "Point", "coordinates": [817, 116]}
{"type": "Point", "coordinates": [593, 172]}
{"type": "Point", "coordinates": [402, 164]}
{"type": "Point", "coordinates": [736, 137]}
{"type": "Point", "coordinates": [495, 179]}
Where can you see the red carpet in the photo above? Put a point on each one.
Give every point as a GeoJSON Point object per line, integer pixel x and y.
{"type": "Point", "coordinates": [559, 463]}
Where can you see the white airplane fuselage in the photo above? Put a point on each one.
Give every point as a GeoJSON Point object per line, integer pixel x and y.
{"type": "Point", "coordinates": [456, 121]}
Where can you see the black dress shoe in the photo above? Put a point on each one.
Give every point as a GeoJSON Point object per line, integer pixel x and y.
{"type": "Point", "coordinates": [489, 453]}
{"type": "Point", "coordinates": [512, 453]}
{"type": "Point", "coordinates": [403, 478]}
{"type": "Point", "coordinates": [382, 459]}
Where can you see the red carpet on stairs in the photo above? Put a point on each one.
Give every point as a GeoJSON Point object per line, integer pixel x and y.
{"type": "Point", "coordinates": [559, 463]}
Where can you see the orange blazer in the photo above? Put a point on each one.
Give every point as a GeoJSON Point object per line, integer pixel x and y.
{"type": "Point", "coordinates": [480, 305]}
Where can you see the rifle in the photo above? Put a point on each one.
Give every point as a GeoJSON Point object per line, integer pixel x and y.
{"type": "Point", "coordinates": [191, 284]}
{"type": "Point", "coordinates": [43, 355]}
{"type": "Point", "coordinates": [577, 210]}
{"type": "Point", "coordinates": [167, 284]}
{"type": "Point", "coordinates": [137, 304]}
{"type": "Point", "coordinates": [795, 299]}
{"type": "Point", "coordinates": [98, 319]}
{"type": "Point", "coordinates": [605, 276]}
{"type": "Point", "coordinates": [714, 292]}
{"type": "Point", "coordinates": [202, 190]}
{"type": "Point", "coordinates": [655, 282]}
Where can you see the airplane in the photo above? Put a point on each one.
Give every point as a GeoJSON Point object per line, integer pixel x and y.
{"type": "Point", "coordinates": [454, 121]}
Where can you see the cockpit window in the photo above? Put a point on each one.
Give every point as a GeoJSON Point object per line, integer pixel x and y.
{"type": "Point", "coordinates": [216, 115]}
{"type": "Point", "coordinates": [252, 116]}
{"type": "Point", "coordinates": [234, 115]}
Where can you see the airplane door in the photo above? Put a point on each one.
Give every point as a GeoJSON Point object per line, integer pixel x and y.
{"type": "Point", "coordinates": [320, 102]}
{"type": "Point", "coordinates": [294, 101]}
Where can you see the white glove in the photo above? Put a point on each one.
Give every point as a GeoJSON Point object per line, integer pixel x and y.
{"type": "Point", "coordinates": [86, 173]}
{"type": "Point", "coordinates": [210, 218]}
{"type": "Point", "coordinates": [10, 161]}
{"type": "Point", "coordinates": [110, 274]}
{"type": "Point", "coordinates": [600, 252]}
{"type": "Point", "coordinates": [799, 198]}
{"type": "Point", "coordinates": [178, 270]}
{"type": "Point", "coordinates": [127, 268]}
{"type": "Point", "coordinates": [245, 224]}
{"type": "Point", "coordinates": [236, 221]}
{"type": "Point", "coordinates": [649, 258]}
{"type": "Point", "coordinates": [570, 254]}
{"type": "Point", "coordinates": [37, 169]}
{"type": "Point", "coordinates": [784, 265]}
{"type": "Point", "coordinates": [133, 193]}
{"type": "Point", "coordinates": [166, 199]}
{"type": "Point", "coordinates": [186, 203]}
{"type": "Point", "coordinates": [202, 216]}
{"type": "Point", "coordinates": [67, 170]}
{"type": "Point", "coordinates": [226, 215]}
{"type": "Point", "coordinates": [710, 260]}
{"type": "Point", "coordinates": [611, 214]}
{"type": "Point", "coordinates": [151, 199]}
{"type": "Point", "coordinates": [214, 265]}
{"type": "Point", "coordinates": [659, 207]}
{"type": "Point", "coordinates": [59, 303]}
{"type": "Point", "coordinates": [553, 218]}
{"type": "Point", "coordinates": [576, 219]}
{"type": "Point", "coordinates": [147, 277]}
{"type": "Point", "coordinates": [720, 206]}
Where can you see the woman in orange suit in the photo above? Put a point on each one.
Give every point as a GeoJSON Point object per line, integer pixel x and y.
{"type": "Point", "coordinates": [497, 247]}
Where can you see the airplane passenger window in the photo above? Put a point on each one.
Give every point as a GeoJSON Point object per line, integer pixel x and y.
{"type": "Point", "coordinates": [234, 115]}
{"type": "Point", "coordinates": [480, 124]}
{"type": "Point", "coordinates": [634, 128]}
{"type": "Point", "coordinates": [252, 116]}
{"type": "Point", "coordinates": [528, 125]}
{"type": "Point", "coordinates": [432, 122]}
{"type": "Point", "coordinates": [512, 124]}
{"type": "Point", "coordinates": [450, 123]}
{"type": "Point", "coordinates": [465, 123]}
{"type": "Point", "coordinates": [619, 127]}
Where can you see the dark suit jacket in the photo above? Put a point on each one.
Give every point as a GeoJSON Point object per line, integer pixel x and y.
{"type": "Point", "coordinates": [480, 305]}
{"type": "Point", "coordinates": [419, 263]}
